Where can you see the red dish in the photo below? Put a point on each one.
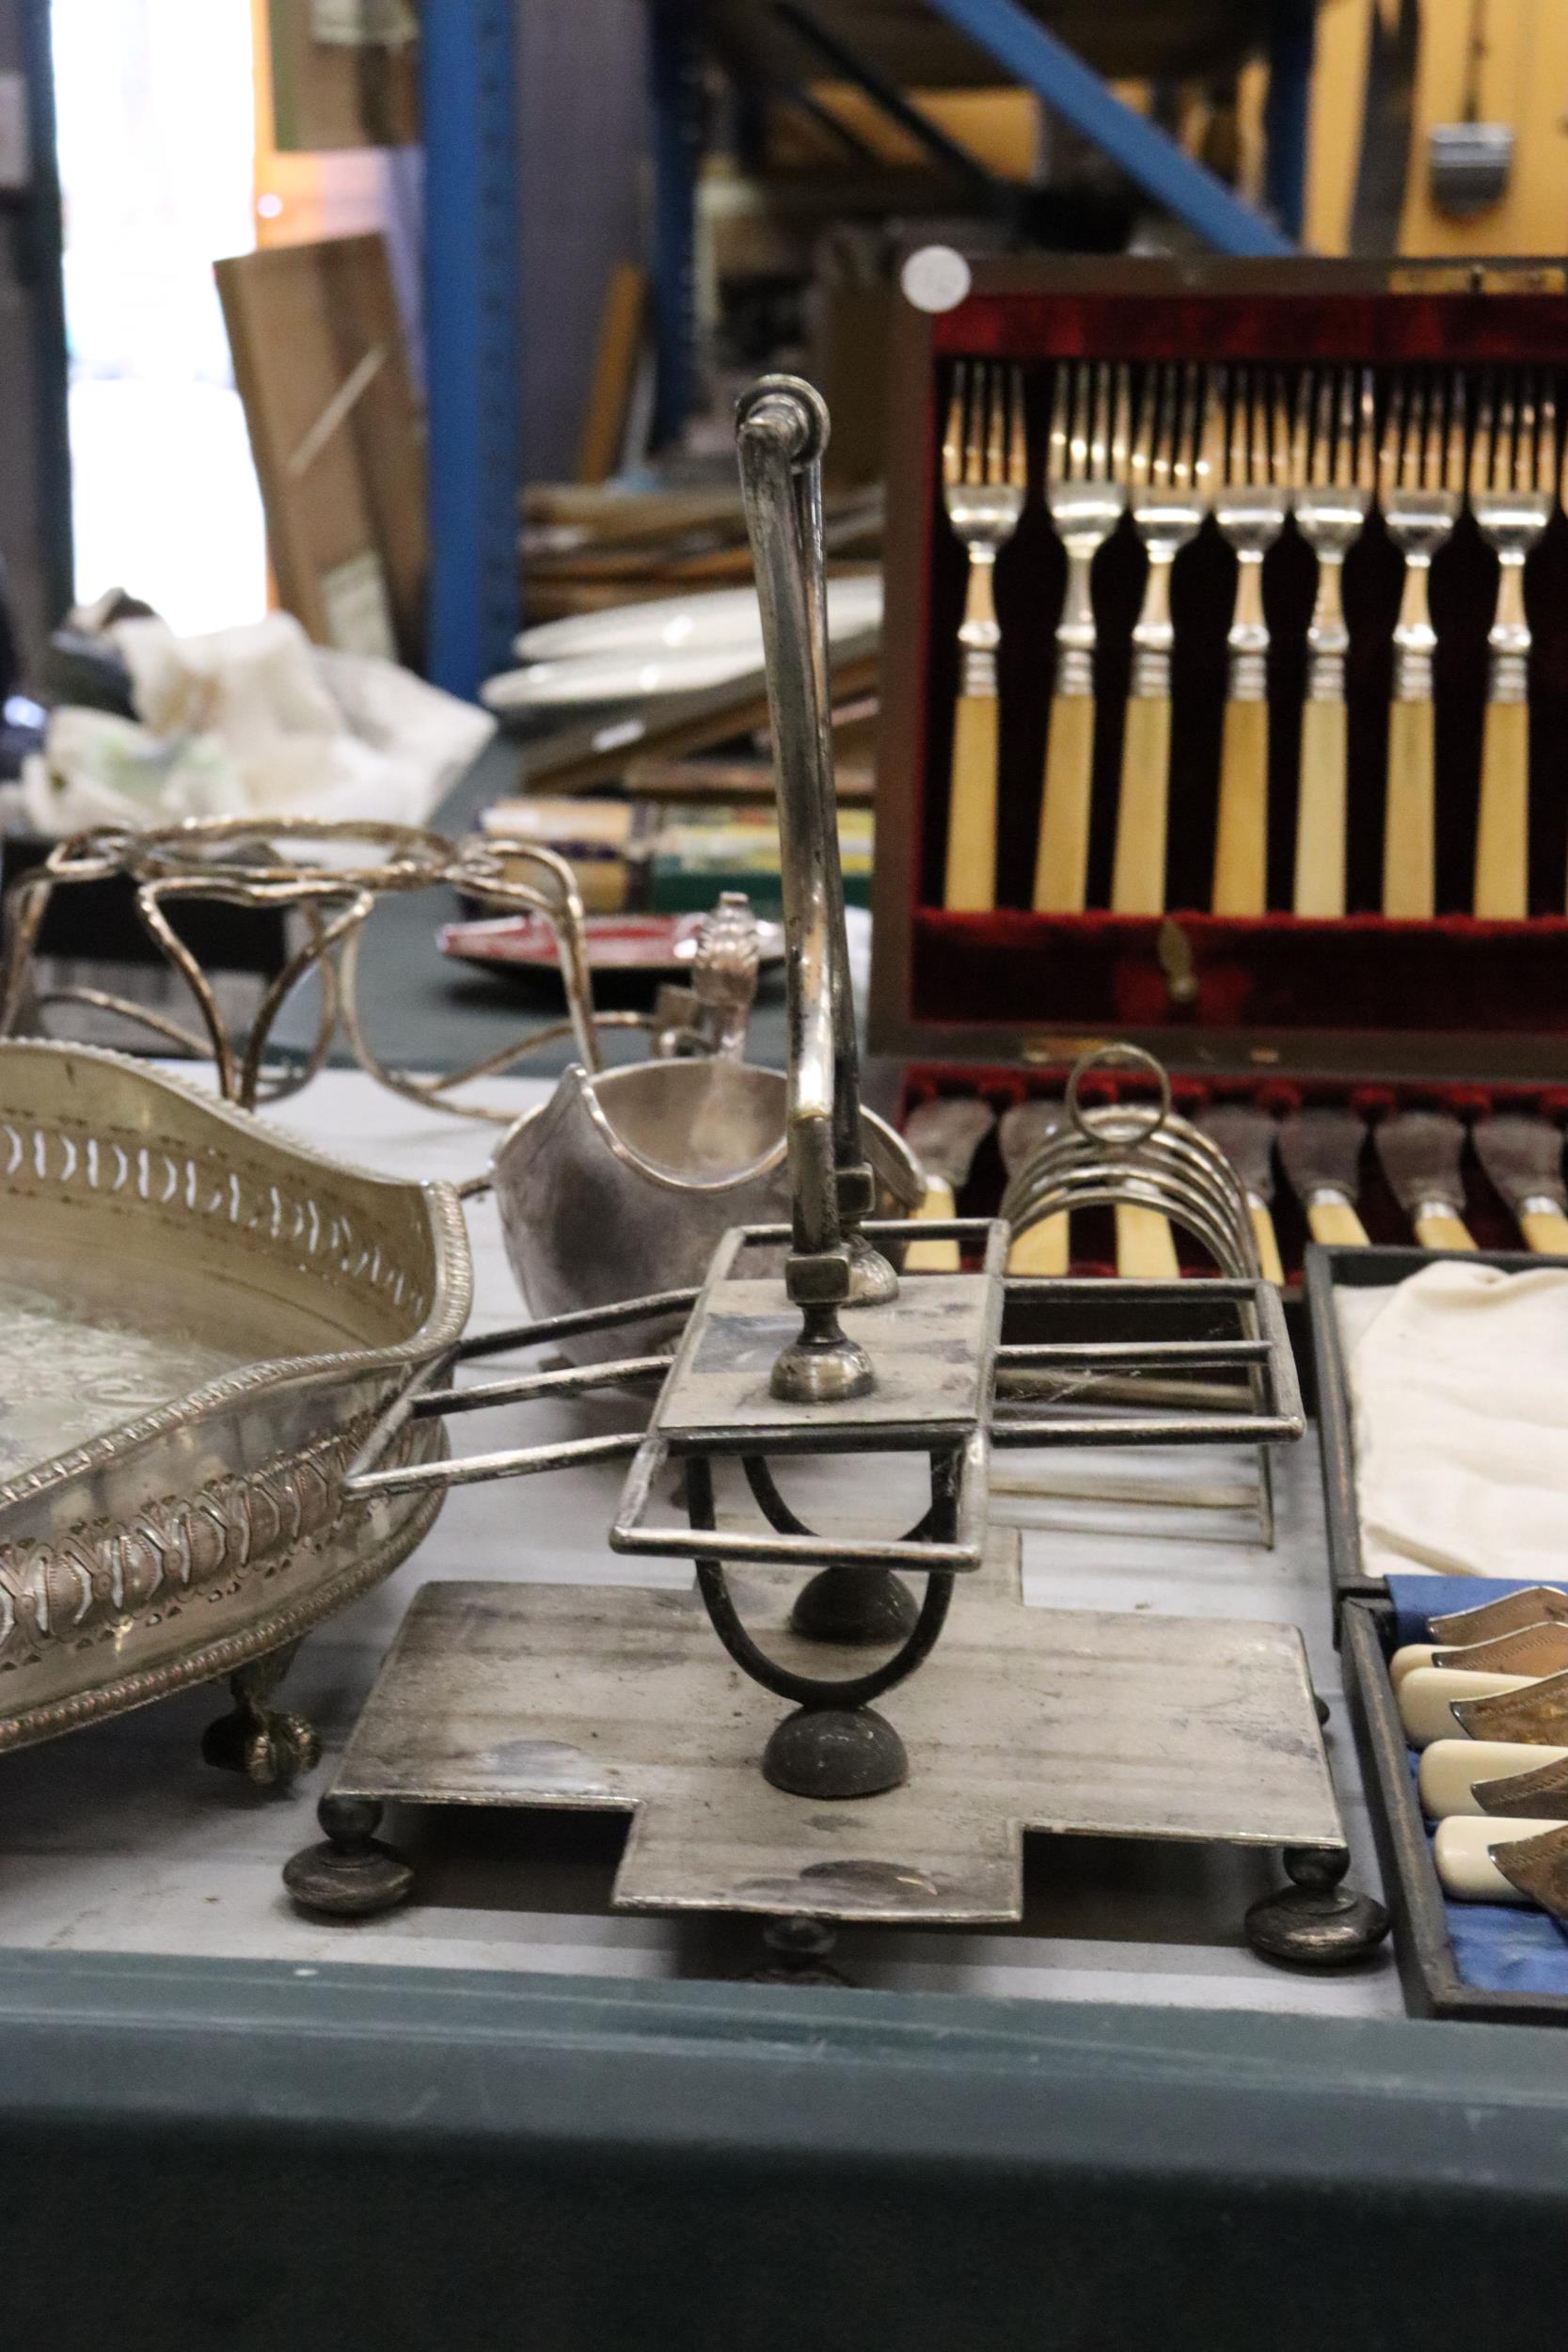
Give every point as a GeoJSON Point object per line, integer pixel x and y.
{"type": "Point", "coordinates": [616, 942]}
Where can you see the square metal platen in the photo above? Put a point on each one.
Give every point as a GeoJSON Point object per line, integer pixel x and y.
{"type": "Point", "coordinates": [932, 1349]}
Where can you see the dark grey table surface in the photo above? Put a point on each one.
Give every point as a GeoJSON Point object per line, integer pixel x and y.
{"type": "Point", "coordinates": [200, 2152]}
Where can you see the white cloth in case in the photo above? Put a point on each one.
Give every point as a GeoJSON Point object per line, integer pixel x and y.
{"type": "Point", "coordinates": [1460, 1389]}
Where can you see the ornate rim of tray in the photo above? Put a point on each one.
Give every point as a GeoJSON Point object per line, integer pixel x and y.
{"type": "Point", "coordinates": [224, 1498]}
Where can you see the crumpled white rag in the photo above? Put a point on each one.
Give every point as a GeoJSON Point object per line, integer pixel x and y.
{"type": "Point", "coordinates": [252, 722]}
{"type": "Point", "coordinates": [1460, 1389]}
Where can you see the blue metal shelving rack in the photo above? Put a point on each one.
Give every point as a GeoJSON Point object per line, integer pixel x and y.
{"type": "Point", "coordinates": [1023, 49]}
{"type": "Point", "coordinates": [472, 238]}
{"type": "Point", "coordinates": [473, 340]}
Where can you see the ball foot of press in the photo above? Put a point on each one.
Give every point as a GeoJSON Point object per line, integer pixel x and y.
{"type": "Point", "coordinates": [1317, 1921]}
{"type": "Point", "coordinates": [352, 1875]}
{"type": "Point", "coordinates": [799, 1952]}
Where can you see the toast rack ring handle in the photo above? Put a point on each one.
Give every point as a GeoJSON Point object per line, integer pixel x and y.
{"type": "Point", "coordinates": [1123, 1126]}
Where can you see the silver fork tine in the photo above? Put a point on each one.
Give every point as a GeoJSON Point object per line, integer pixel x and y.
{"type": "Point", "coordinates": [1100, 400]}
{"type": "Point", "coordinates": [1415, 425]}
{"type": "Point", "coordinates": [1078, 438]}
{"type": "Point", "coordinates": [1307, 456]}
{"type": "Point", "coordinates": [1434, 440]}
{"type": "Point", "coordinates": [1235, 464]}
{"type": "Point", "coordinates": [1018, 444]}
{"type": "Point", "coordinates": [1453, 468]}
{"type": "Point", "coordinates": [1545, 485]}
{"type": "Point", "coordinates": [1366, 444]}
{"type": "Point", "coordinates": [1186, 420]}
{"type": "Point", "coordinates": [1141, 459]}
{"type": "Point", "coordinates": [1480, 448]}
{"type": "Point", "coordinates": [1502, 448]}
{"type": "Point", "coordinates": [1524, 454]}
{"type": "Point", "coordinates": [1061, 410]}
{"type": "Point", "coordinates": [953, 436]}
{"type": "Point", "coordinates": [1210, 459]}
{"type": "Point", "coordinates": [1164, 437]}
{"type": "Point", "coordinates": [995, 424]}
{"type": "Point", "coordinates": [1279, 428]}
{"type": "Point", "coordinates": [1344, 456]}
{"type": "Point", "coordinates": [1122, 421]}
{"type": "Point", "coordinates": [1388, 447]}
{"type": "Point", "coordinates": [974, 447]}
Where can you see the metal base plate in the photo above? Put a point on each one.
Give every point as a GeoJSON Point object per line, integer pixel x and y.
{"type": "Point", "coordinates": [610, 1699]}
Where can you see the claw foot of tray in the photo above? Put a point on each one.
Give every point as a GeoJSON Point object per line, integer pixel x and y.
{"type": "Point", "coordinates": [271, 1748]}
{"type": "Point", "coordinates": [352, 1875]}
{"type": "Point", "coordinates": [1317, 1921]}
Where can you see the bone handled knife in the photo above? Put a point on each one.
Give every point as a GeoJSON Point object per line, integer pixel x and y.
{"type": "Point", "coordinates": [1492, 1777]}
{"type": "Point", "coordinates": [1503, 1862]}
{"type": "Point", "coordinates": [1524, 1159]}
{"type": "Point", "coordinates": [1438, 1703]}
{"type": "Point", "coordinates": [1247, 1138]}
{"type": "Point", "coordinates": [1539, 1648]}
{"type": "Point", "coordinates": [944, 1136]}
{"type": "Point", "coordinates": [1321, 1153]}
{"type": "Point", "coordinates": [1047, 1246]}
{"type": "Point", "coordinates": [1420, 1152]}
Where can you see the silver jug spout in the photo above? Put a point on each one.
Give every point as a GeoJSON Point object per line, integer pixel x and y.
{"type": "Point", "coordinates": [781, 430]}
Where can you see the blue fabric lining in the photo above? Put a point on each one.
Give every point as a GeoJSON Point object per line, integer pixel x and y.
{"type": "Point", "coordinates": [1504, 1948]}
{"type": "Point", "coordinates": [1418, 1599]}
{"type": "Point", "coordinates": [1497, 1947]}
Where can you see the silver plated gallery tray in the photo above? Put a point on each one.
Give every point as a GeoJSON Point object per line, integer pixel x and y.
{"type": "Point", "coordinates": [201, 1321]}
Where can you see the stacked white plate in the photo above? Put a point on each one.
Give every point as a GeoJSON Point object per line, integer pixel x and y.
{"type": "Point", "coordinates": [675, 645]}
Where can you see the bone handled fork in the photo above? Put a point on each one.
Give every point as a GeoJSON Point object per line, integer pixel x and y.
{"type": "Point", "coordinates": [1085, 467]}
{"type": "Point", "coordinates": [984, 474]}
{"type": "Point", "coordinates": [1167, 494]}
{"type": "Point", "coordinates": [1249, 507]}
{"type": "Point", "coordinates": [1513, 492]}
{"type": "Point", "coordinates": [1332, 466]}
{"type": "Point", "coordinates": [1420, 477]}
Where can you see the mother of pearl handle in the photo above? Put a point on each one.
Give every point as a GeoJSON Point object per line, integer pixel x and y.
{"type": "Point", "coordinates": [1464, 1866]}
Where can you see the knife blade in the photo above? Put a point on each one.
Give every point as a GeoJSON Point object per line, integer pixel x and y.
{"type": "Point", "coordinates": [1245, 1135]}
{"type": "Point", "coordinates": [1319, 1151]}
{"type": "Point", "coordinates": [1530, 1605]}
{"type": "Point", "coordinates": [1421, 1154]}
{"type": "Point", "coordinates": [1523, 1158]}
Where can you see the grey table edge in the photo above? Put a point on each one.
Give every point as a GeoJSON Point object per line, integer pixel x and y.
{"type": "Point", "coordinates": [203, 2150]}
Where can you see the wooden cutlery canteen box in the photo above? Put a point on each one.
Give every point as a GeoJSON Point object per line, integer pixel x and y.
{"type": "Point", "coordinates": [1225, 694]}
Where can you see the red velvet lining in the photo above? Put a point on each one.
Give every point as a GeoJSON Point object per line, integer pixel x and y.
{"type": "Point", "coordinates": [1021, 971]}
{"type": "Point", "coordinates": [1361, 329]}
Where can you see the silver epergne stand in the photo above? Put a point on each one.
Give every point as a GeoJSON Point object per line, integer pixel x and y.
{"type": "Point", "coordinates": [805, 1344]}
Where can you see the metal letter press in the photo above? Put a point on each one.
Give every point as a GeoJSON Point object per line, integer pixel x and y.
{"type": "Point", "coordinates": [804, 1345]}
